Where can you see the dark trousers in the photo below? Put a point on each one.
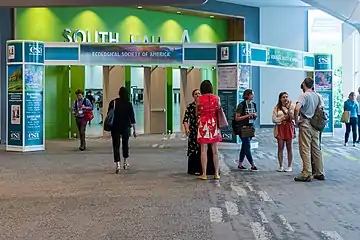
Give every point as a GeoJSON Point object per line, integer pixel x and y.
{"type": "Point", "coordinates": [81, 126]}
{"type": "Point", "coordinates": [245, 151]}
{"type": "Point", "coordinates": [351, 126]}
{"type": "Point", "coordinates": [124, 135]}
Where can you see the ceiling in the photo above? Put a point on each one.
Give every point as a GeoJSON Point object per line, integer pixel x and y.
{"type": "Point", "coordinates": [268, 3]}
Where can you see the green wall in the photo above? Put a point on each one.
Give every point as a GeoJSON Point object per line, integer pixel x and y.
{"type": "Point", "coordinates": [48, 24]}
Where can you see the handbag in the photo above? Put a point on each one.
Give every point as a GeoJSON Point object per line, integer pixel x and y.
{"type": "Point", "coordinates": [345, 117]}
{"type": "Point", "coordinates": [109, 119]}
{"type": "Point", "coordinates": [247, 132]}
{"type": "Point", "coordinates": [276, 131]}
{"type": "Point", "coordinates": [88, 115]}
{"type": "Point", "coordinates": [222, 121]}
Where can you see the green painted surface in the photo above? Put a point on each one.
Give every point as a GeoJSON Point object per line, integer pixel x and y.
{"type": "Point", "coordinates": [57, 102]}
{"type": "Point", "coordinates": [169, 99]}
{"type": "Point", "coordinates": [77, 81]}
{"type": "Point", "coordinates": [128, 79]}
{"type": "Point", "coordinates": [48, 24]}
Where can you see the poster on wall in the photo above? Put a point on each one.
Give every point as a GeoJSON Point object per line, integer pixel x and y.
{"type": "Point", "coordinates": [136, 54]}
{"type": "Point", "coordinates": [228, 100]}
{"type": "Point", "coordinates": [227, 77]}
{"type": "Point", "coordinates": [324, 87]}
{"type": "Point", "coordinates": [244, 77]}
{"type": "Point", "coordinates": [15, 104]}
{"type": "Point", "coordinates": [34, 77]}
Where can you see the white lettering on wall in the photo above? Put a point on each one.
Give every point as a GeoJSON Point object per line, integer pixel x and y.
{"type": "Point", "coordinates": [113, 37]}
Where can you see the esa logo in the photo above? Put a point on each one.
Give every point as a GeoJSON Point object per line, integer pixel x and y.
{"type": "Point", "coordinates": [246, 51]}
{"type": "Point", "coordinates": [323, 60]}
{"type": "Point", "coordinates": [32, 136]}
{"type": "Point", "coordinates": [15, 136]}
{"type": "Point", "coordinates": [35, 50]}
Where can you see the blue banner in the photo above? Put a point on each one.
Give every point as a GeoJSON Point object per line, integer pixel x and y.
{"type": "Point", "coordinates": [284, 58]}
{"type": "Point", "coordinates": [323, 62]}
{"type": "Point", "coordinates": [245, 53]}
{"type": "Point", "coordinates": [34, 52]}
{"type": "Point", "coordinates": [227, 53]}
{"type": "Point", "coordinates": [228, 100]}
{"type": "Point", "coordinates": [14, 52]}
{"type": "Point", "coordinates": [15, 105]}
{"type": "Point", "coordinates": [324, 86]}
{"type": "Point", "coordinates": [34, 118]}
{"type": "Point", "coordinates": [127, 54]}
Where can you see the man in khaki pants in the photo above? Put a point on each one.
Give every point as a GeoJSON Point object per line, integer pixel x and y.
{"type": "Point", "coordinates": [309, 137]}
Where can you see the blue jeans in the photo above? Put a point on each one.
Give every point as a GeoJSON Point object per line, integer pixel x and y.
{"type": "Point", "coordinates": [245, 151]}
{"type": "Point", "coordinates": [352, 124]}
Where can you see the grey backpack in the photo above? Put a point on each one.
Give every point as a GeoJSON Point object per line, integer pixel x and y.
{"type": "Point", "coordinates": [320, 118]}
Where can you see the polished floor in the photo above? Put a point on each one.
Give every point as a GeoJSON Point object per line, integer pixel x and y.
{"type": "Point", "coordinates": [66, 194]}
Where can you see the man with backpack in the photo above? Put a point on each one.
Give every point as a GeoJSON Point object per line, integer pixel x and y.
{"type": "Point", "coordinates": [311, 118]}
{"type": "Point", "coordinates": [82, 110]}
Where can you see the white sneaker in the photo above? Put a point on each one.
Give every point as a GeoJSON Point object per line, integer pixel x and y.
{"type": "Point", "coordinates": [126, 165]}
{"type": "Point", "coordinates": [280, 169]}
{"type": "Point", "coordinates": [117, 168]}
{"type": "Point", "coordinates": [289, 169]}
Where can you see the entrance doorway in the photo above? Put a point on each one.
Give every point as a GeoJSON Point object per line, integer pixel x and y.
{"type": "Point", "coordinates": [176, 101]}
{"type": "Point", "coordinates": [94, 92]}
{"type": "Point", "coordinates": [137, 96]}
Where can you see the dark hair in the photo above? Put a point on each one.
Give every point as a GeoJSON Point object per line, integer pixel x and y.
{"type": "Point", "coordinates": [279, 104]}
{"type": "Point", "coordinates": [123, 94]}
{"type": "Point", "coordinates": [194, 91]}
{"type": "Point", "coordinates": [247, 93]}
{"type": "Point", "coordinates": [206, 87]}
{"type": "Point", "coordinates": [352, 94]}
{"type": "Point", "coordinates": [308, 82]}
{"type": "Point", "coordinates": [79, 91]}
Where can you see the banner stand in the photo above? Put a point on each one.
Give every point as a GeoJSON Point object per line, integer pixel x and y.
{"type": "Point", "coordinates": [234, 61]}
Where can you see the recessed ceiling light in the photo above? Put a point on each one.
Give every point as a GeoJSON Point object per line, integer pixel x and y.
{"type": "Point", "coordinates": [178, 12]}
{"type": "Point", "coordinates": [211, 16]}
{"type": "Point", "coordinates": [139, 7]}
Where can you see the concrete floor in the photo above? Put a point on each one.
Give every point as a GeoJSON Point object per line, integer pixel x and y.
{"type": "Point", "coordinates": [66, 194]}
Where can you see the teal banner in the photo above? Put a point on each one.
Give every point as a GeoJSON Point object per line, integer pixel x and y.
{"type": "Point", "coordinates": [284, 58]}
{"type": "Point", "coordinates": [323, 62]}
{"type": "Point", "coordinates": [15, 105]}
{"type": "Point", "coordinates": [244, 53]}
{"type": "Point", "coordinates": [227, 53]}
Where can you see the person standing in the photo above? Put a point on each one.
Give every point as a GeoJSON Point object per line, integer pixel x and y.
{"type": "Point", "coordinates": [124, 120]}
{"type": "Point", "coordinates": [193, 149]}
{"type": "Point", "coordinates": [283, 116]}
{"type": "Point", "coordinates": [245, 116]}
{"type": "Point", "coordinates": [309, 142]}
{"type": "Point", "coordinates": [80, 105]}
{"type": "Point", "coordinates": [352, 107]}
{"type": "Point", "coordinates": [207, 107]}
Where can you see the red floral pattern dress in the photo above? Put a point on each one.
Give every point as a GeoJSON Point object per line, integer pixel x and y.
{"type": "Point", "coordinates": [208, 130]}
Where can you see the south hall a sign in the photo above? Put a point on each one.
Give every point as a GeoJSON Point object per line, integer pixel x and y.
{"type": "Point", "coordinates": [68, 3]}
{"type": "Point", "coordinates": [80, 35]}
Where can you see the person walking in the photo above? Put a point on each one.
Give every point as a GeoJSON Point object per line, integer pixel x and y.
{"type": "Point", "coordinates": [352, 107]}
{"type": "Point", "coordinates": [81, 105]}
{"type": "Point", "coordinates": [309, 137]}
{"type": "Point", "coordinates": [283, 115]}
{"type": "Point", "coordinates": [207, 107]}
{"type": "Point", "coordinates": [124, 120]}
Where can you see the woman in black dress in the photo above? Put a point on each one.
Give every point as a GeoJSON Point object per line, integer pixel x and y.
{"type": "Point", "coordinates": [193, 152]}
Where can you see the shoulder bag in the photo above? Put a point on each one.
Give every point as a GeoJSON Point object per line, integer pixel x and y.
{"type": "Point", "coordinates": [109, 119]}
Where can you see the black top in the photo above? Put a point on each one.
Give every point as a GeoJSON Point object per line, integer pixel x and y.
{"type": "Point", "coordinates": [243, 109]}
{"type": "Point", "coordinates": [124, 115]}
